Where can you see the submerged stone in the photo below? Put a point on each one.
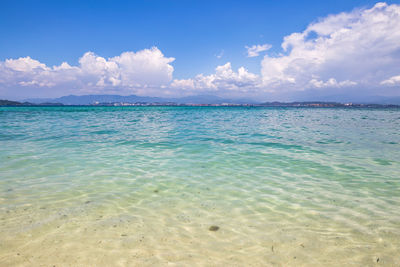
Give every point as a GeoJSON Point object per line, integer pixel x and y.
{"type": "Point", "coordinates": [213, 228]}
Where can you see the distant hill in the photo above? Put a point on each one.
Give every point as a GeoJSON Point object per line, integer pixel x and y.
{"type": "Point", "coordinates": [92, 99]}
{"type": "Point", "coordinates": [12, 103]}
{"type": "Point", "coordinates": [188, 101]}
{"type": "Point", "coordinates": [16, 103]}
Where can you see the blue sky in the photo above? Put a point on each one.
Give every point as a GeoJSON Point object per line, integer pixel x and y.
{"type": "Point", "coordinates": [193, 32]}
{"type": "Point", "coordinates": [199, 35]}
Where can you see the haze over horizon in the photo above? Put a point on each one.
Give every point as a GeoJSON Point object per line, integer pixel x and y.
{"type": "Point", "coordinates": [259, 50]}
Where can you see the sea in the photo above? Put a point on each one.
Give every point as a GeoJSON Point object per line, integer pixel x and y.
{"type": "Point", "coordinates": [199, 186]}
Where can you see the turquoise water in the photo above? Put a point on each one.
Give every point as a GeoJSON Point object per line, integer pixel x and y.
{"type": "Point", "coordinates": [141, 186]}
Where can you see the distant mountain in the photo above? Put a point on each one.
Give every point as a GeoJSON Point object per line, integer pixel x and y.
{"type": "Point", "coordinates": [206, 99]}
{"type": "Point", "coordinates": [16, 103]}
{"type": "Point", "coordinates": [92, 99]}
{"type": "Point", "coordinates": [9, 103]}
{"type": "Point", "coordinates": [188, 101]}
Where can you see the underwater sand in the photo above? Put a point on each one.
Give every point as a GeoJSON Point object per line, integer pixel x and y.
{"type": "Point", "coordinates": [141, 186]}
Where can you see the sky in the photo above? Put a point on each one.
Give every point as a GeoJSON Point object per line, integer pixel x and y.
{"type": "Point", "coordinates": [261, 50]}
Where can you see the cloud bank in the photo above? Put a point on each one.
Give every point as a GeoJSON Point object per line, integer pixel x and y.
{"type": "Point", "coordinates": [355, 52]}
{"type": "Point", "coordinates": [126, 73]}
{"type": "Point", "coordinates": [357, 49]}
{"type": "Point", "coordinates": [224, 79]}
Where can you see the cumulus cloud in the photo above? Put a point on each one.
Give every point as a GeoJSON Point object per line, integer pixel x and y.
{"type": "Point", "coordinates": [359, 48]}
{"type": "Point", "coordinates": [255, 50]}
{"type": "Point", "coordinates": [224, 78]}
{"type": "Point", "coordinates": [130, 70]}
{"type": "Point", "coordinates": [24, 64]}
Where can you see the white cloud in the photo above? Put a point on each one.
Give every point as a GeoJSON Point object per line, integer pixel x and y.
{"type": "Point", "coordinates": [128, 71]}
{"type": "Point", "coordinates": [28, 72]}
{"type": "Point", "coordinates": [331, 83]}
{"type": "Point", "coordinates": [395, 80]}
{"type": "Point", "coordinates": [224, 79]}
{"type": "Point", "coordinates": [25, 64]}
{"type": "Point", "coordinates": [361, 47]}
{"type": "Point", "coordinates": [254, 51]}
{"type": "Point", "coordinates": [147, 68]}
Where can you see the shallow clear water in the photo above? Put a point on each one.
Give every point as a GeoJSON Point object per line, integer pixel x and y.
{"type": "Point", "coordinates": [90, 186]}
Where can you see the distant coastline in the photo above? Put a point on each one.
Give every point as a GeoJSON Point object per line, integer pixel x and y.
{"type": "Point", "coordinates": [313, 104]}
